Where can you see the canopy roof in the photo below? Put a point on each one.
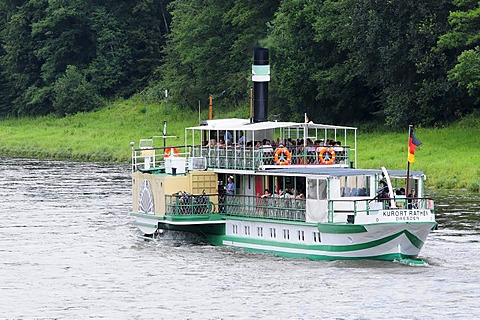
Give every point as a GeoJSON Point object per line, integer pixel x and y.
{"type": "Point", "coordinates": [245, 125]}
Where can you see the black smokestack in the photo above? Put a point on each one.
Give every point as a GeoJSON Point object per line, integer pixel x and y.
{"type": "Point", "coordinates": [260, 78]}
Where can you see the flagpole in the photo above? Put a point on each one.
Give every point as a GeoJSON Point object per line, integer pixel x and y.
{"type": "Point", "coordinates": [408, 162]}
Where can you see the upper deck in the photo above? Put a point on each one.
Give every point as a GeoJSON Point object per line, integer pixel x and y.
{"type": "Point", "coordinates": [238, 144]}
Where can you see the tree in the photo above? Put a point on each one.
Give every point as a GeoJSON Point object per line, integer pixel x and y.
{"type": "Point", "coordinates": [463, 40]}
{"type": "Point", "coordinates": [393, 47]}
{"type": "Point", "coordinates": [73, 93]}
{"type": "Point", "coordinates": [209, 48]}
{"type": "Point", "coordinates": [312, 71]}
{"type": "Point", "coordinates": [110, 66]}
{"type": "Point", "coordinates": [21, 67]}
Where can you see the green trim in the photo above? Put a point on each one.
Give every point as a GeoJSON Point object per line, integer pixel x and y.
{"type": "Point", "coordinates": [383, 257]}
{"type": "Point", "coordinates": [341, 228]}
{"type": "Point", "coordinates": [414, 240]}
{"type": "Point", "coordinates": [194, 218]}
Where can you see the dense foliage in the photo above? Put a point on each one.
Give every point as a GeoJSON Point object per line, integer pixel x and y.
{"type": "Point", "coordinates": [394, 62]}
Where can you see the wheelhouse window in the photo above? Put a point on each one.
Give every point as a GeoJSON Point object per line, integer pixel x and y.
{"type": "Point", "coordinates": [355, 186]}
{"type": "Point", "coordinates": [317, 189]}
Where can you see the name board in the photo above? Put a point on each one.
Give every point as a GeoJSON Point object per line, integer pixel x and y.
{"type": "Point", "coordinates": [406, 215]}
{"type": "Point", "coordinates": [396, 215]}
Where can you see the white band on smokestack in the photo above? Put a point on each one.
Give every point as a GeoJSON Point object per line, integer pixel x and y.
{"type": "Point", "coordinates": [260, 73]}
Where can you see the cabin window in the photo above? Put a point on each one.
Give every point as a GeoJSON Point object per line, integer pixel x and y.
{"type": "Point", "coordinates": [355, 186]}
{"type": "Point", "coordinates": [260, 231]}
{"type": "Point", "coordinates": [286, 234]}
{"type": "Point", "coordinates": [247, 230]}
{"type": "Point", "coordinates": [301, 235]}
{"type": "Point", "coordinates": [322, 189]}
{"type": "Point", "coordinates": [316, 237]}
{"type": "Point", "coordinates": [273, 233]}
{"type": "Point", "coordinates": [234, 229]}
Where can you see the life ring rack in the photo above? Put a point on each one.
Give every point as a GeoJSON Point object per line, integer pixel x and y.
{"type": "Point", "coordinates": [171, 152]}
{"type": "Point", "coordinates": [325, 160]}
{"type": "Point", "coordinates": [287, 159]}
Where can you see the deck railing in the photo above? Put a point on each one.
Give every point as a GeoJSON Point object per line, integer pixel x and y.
{"type": "Point", "coordinates": [279, 208]}
{"type": "Point", "coordinates": [189, 204]}
{"type": "Point", "coordinates": [338, 208]}
{"type": "Point", "coordinates": [239, 157]}
{"type": "Point", "coordinates": [149, 158]}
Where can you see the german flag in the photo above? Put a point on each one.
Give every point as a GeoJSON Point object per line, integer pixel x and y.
{"type": "Point", "coordinates": [413, 143]}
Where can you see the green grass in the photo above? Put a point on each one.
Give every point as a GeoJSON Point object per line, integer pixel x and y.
{"type": "Point", "coordinates": [449, 156]}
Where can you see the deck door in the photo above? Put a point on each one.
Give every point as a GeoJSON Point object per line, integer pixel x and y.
{"type": "Point", "coordinates": [317, 199]}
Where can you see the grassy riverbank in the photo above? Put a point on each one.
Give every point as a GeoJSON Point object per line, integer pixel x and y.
{"type": "Point", "coordinates": [450, 156]}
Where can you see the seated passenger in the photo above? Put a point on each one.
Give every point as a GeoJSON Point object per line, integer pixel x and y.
{"type": "Point", "coordinates": [242, 140]}
{"type": "Point", "coordinates": [266, 193]}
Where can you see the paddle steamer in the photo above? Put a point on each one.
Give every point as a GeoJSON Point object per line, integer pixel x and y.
{"type": "Point", "coordinates": [292, 189]}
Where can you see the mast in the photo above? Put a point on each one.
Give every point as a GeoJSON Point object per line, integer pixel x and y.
{"type": "Point", "coordinates": [410, 127]}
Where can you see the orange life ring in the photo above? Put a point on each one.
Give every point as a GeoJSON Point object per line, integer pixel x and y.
{"type": "Point", "coordinates": [170, 152]}
{"type": "Point", "coordinates": [282, 160]}
{"type": "Point", "coordinates": [322, 158]}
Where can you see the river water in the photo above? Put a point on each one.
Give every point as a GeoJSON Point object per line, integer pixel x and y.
{"type": "Point", "coordinates": [69, 250]}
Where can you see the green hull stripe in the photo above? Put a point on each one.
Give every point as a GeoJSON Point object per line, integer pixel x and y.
{"type": "Point", "coordinates": [341, 228]}
{"type": "Point", "coordinates": [385, 257]}
{"type": "Point", "coordinates": [332, 248]}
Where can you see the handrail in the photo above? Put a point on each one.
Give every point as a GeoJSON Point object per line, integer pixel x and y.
{"type": "Point", "coordinates": [279, 208]}
{"type": "Point", "coordinates": [237, 157]}
{"type": "Point", "coordinates": [372, 206]}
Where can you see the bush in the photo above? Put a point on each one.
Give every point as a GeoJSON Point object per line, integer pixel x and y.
{"type": "Point", "coordinates": [73, 93]}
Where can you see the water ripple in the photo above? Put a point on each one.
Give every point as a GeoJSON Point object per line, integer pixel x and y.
{"type": "Point", "coordinates": [69, 250]}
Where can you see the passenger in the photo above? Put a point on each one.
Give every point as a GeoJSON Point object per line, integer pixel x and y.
{"type": "Point", "coordinates": [279, 141]}
{"type": "Point", "coordinates": [242, 140]}
{"type": "Point", "coordinates": [412, 194]}
{"type": "Point", "coordinates": [267, 151]}
{"type": "Point", "coordinates": [212, 143]}
{"type": "Point", "coordinates": [266, 193]}
{"type": "Point", "coordinates": [362, 191]}
{"type": "Point", "coordinates": [228, 136]}
{"type": "Point", "coordinates": [288, 193]}
{"type": "Point", "coordinates": [267, 147]}
{"type": "Point", "coordinates": [289, 143]}
{"type": "Point", "coordinates": [311, 154]}
{"type": "Point", "coordinates": [412, 203]}
{"type": "Point", "coordinates": [230, 189]}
